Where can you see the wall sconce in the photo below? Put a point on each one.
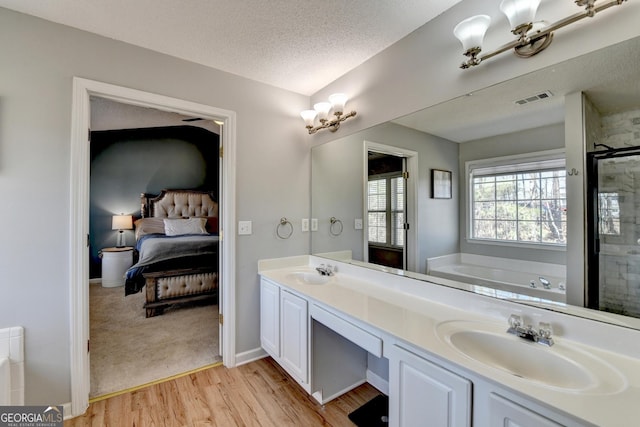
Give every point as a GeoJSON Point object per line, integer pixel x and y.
{"type": "Point", "coordinates": [121, 222]}
{"type": "Point", "coordinates": [533, 37]}
{"type": "Point", "coordinates": [321, 111]}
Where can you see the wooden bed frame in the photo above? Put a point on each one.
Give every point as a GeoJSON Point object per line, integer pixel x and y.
{"type": "Point", "coordinates": [165, 288]}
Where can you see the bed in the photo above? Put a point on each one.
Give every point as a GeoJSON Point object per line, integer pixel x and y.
{"type": "Point", "coordinates": [177, 245]}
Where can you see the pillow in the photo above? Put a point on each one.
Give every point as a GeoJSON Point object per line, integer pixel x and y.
{"type": "Point", "coordinates": [212, 223]}
{"type": "Point", "coordinates": [149, 226]}
{"type": "Point", "coordinates": [179, 226]}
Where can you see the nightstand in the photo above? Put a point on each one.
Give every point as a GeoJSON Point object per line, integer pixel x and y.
{"type": "Point", "coordinates": [115, 262]}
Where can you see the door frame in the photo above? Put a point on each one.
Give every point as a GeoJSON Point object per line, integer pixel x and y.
{"type": "Point", "coordinates": [411, 245]}
{"type": "Point", "coordinates": [83, 89]}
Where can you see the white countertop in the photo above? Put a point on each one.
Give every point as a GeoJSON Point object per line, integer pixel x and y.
{"type": "Point", "coordinates": [390, 305]}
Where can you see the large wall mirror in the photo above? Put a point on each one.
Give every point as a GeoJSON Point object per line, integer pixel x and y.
{"type": "Point", "coordinates": [489, 180]}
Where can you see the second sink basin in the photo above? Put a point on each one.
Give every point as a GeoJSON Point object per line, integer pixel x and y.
{"type": "Point", "coordinates": [308, 277]}
{"type": "Point", "coordinates": [560, 366]}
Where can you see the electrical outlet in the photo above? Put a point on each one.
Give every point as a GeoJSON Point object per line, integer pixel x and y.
{"type": "Point", "coordinates": [314, 224]}
{"type": "Point", "coordinates": [357, 224]}
{"type": "Point", "coordinates": [244, 227]}
{"type": "Point", "coordinates": [305, 224]}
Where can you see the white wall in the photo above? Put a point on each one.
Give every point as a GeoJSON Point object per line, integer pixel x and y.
{"type": "Point", "coordinates": [38, 61]}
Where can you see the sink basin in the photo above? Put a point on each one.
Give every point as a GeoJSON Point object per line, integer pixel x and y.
{"type": "Point", "coordinates": [561, 366]}
{"type": "Point", "coordinates": [308, 277]}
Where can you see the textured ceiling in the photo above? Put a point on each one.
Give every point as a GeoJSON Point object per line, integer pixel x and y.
{"type": "Point", "coordinates": [299, 45]}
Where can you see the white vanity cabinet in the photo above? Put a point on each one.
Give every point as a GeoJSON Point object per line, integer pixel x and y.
{"type": "Point", "coordinates": [270, 318]}
{"type": "Point", "coordinates": [293, 338]}
{"type": "Point", "coordinates": [422, 393]}
{"type": "Point", "coordinates": [503, 412]}
{"type": "Point", "coordinates": [284, 329]}
{"type": "Point", "coordinates": [326, 335]}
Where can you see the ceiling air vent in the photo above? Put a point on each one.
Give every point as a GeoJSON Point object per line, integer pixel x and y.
{"type": "Point", "coordinates": [543, 95]}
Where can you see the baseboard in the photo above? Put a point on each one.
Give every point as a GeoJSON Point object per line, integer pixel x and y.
{"type": "Point", "coordinates": [378, 382]}
{"type": "Point", "coordinates": [250, 356]}
{"type": "Point", "coordinates": [96, 281]}
{"type": "Point", "coordinates": [66, 411]}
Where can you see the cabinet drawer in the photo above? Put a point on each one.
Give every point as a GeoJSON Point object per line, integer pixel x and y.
{"type": "Point", "coordinates": [353, 333]}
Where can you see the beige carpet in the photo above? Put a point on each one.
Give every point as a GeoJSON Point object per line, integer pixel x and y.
{"type": "Point", "coordinates": [129, 350]}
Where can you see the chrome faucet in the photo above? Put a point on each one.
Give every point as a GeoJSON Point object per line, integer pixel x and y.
{"type": "Point", "coordinates": [541, 336]}
{"type": "Point", "coordinates": [326, 270]}
{"type": "Point", "coordinates": [545, 283]}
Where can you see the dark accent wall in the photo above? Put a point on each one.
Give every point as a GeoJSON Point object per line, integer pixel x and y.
{"type": "Point", "coordinates": [125, 163]}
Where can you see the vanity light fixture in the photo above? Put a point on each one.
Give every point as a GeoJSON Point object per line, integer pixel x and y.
{"type": "Point", "coordinates": [532, 36]}
{"type": "Point", "coordinates": [321, 110]}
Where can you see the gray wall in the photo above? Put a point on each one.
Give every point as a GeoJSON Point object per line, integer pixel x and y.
{"type": "Point", "coordinates": [532, 140]}
{"type": "Point", "coordinates": [38, 61]}
{"type": "Point", "coordinates": [337, 175]}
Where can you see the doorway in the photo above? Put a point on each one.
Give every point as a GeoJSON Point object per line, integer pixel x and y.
{"type": "Point", "coordinates": [79, 222]}
{"type": "Point", "coordinates": [390, 208]}
{"type": "Point", "coordinates": [135, 150]}
{"type": "Point", "coordinates": [386, 209]}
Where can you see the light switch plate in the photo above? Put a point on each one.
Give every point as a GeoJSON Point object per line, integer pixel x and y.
{"type": "Point", "coordinates": [314, 224]}
{"type": "Point", "coordinates": [357, 224]}
{"type": "Point", "coordinates": [244, 228]}
{"type": "Point", "coordinates": [305, 224]}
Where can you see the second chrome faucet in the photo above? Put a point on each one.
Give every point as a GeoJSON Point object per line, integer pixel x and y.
{"type": "Point", "coordinates": [542, 335]}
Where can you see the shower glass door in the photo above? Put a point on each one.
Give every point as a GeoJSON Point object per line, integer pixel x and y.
{"type": "Point", "coordinates": [613, 228]}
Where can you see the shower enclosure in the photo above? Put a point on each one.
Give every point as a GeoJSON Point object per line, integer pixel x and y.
{"type": "Point", "coordinates": [613, 230]}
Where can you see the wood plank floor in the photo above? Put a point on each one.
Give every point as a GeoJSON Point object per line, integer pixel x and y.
{"type": "Point", "coordinates": [256, 394]}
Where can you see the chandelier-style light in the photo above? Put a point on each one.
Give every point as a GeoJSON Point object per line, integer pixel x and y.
{"type": "Point", "coordinates": [532, 37]}
{"type": "Point", "coordinates": [321, 111]}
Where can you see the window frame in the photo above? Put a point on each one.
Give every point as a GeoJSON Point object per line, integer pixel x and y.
{"type": "Point", "coordinates": [513, 163]}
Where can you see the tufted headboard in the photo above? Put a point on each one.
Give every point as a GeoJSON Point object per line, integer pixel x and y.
{"type": "Point", "coordinates": [178, 204]}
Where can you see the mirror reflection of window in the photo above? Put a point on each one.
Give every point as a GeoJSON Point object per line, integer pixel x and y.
{"type": "Point", "coordinates": [386, 201]}
{"type": "Point", "coordinates": [608, 214]}
{"type": "Point", "coordinates": [520, 201]}
{"type": "Point", "coordinates": [377, 212]}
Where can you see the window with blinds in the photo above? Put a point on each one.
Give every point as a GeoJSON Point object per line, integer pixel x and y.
{"type": "Point", "coordinates": [386, 211]}
{"type": "Point", "coordinates": [519, 199]}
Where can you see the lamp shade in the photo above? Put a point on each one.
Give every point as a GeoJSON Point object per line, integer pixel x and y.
{"type": "Point", "coordinates": [471, 31]}
{"type": "Point", "coordinates": [309, 117]}
{"type": "Point", "coordinates": [338, 100]}
{"type": "Point", "coordinates": [519, 12]}
{"type": "Point", "coordinates": [122, 222]}
{"type": "Point", "coordinates": [322, 109]}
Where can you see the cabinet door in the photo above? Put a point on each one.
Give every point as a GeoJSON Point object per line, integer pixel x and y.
{"type": "Point", "coordinates": [503, 412]}
{"type": "Point", "coordinates": [422, 393]}
{"type": "Point", "coordinates": [270, 317]}
{"type": "Point", "coordinates": [293, 316]}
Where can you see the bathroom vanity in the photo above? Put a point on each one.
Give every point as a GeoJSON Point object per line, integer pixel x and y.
{"type": "Point", "coordinates": [450, 359]}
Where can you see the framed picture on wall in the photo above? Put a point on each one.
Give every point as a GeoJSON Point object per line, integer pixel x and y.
{"type": "Point", "coordinates": [440, 184]}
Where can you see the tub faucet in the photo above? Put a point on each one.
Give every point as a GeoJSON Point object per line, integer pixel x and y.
{"type": "Point", "coordinates": [325, 270]}
{"type": "Point", "coordinates": [545, 283]}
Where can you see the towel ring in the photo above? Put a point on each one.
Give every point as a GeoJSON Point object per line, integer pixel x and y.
{"type": "Point", "coordinates": [284, 222]}
{"type": "Point", "coordinates": [336, 226]}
